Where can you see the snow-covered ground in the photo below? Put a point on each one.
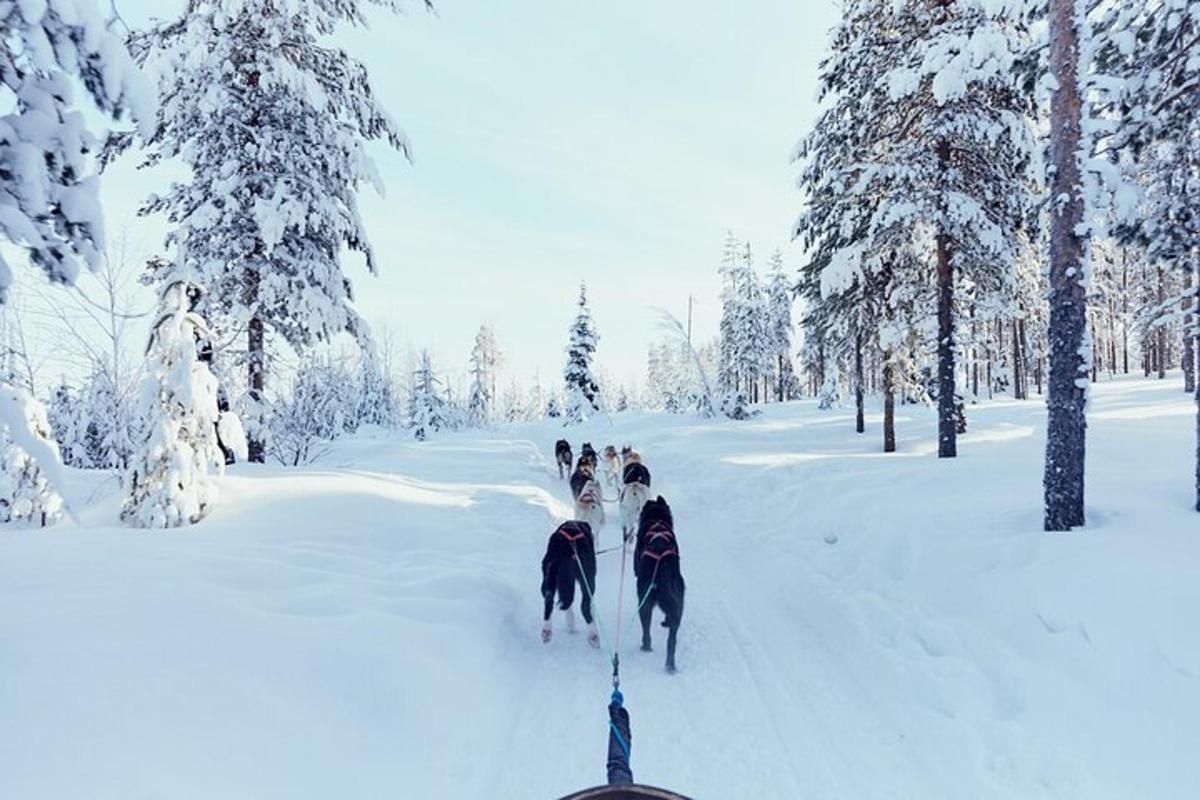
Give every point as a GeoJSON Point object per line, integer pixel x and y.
{"type": "Point", "coordinates": [857, 625]}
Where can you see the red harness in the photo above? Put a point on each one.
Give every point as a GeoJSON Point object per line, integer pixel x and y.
{"type": "Point", "coordinates": [565, 531]}
{"type": "Point", "coordinates": [655, 532]}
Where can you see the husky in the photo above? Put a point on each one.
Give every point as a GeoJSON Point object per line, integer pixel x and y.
{"type": "Point", "coordinates": [589, 507]}
{"type": "Point", "coordinates": [584, 472]}
{"type": "Point", "coordinates": [612, 465]}
{"type": "Point", "coordinates": [659, 579]}
{"type": "Point", "coordinates": [563, 457]}
{"type": "Point", "coordinates": [633, 497]}
{"type": "Point", "coordinates": [570, 558]}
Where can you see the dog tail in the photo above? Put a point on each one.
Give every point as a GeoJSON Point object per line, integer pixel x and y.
{"type": "Point", "coordinates": [566, 583]}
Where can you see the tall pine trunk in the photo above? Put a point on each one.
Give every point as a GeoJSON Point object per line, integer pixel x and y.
{"type": "Point", "coordinates": [947, 436]}
{"type": "Point", "coordinates": [1067, 385]}
{"type": "Point", "coordinates": [256, 449]}
{"type": "Point", "coordinates": [1189, 334]}
{"type": "Point", "coordinates": [1160, 335]}
{"type": "Point", "coordinates": [889, 405]}
{"type": "Point", "coordinates": [859, 416]}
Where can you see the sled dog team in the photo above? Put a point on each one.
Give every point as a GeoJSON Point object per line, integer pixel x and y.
{"type": "Point", "coordinates": [646, 523]}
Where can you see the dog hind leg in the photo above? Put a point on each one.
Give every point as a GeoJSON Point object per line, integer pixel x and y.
{"type": "Point", "coordinates": [644, 613]}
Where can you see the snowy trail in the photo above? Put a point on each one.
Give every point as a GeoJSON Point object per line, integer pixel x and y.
{"type": "Point", "coordinates": [856, 625]}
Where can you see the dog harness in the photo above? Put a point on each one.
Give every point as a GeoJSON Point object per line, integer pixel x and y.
{"type": "Point", "coordinates": [658, 530]}
{"type": "Point", "coordinates": [660, 556]}
{"type": "Point", "coordinates": [565, 530]}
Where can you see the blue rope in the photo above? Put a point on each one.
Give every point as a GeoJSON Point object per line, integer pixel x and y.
{"type": "Point", "coordinates": [617, 700]}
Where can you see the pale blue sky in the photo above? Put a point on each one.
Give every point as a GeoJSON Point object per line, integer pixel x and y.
{"type": "Point", "coordinates": [557, 141]}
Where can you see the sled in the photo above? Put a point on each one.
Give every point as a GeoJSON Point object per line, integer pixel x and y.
{"type": "Point", "coordinates": [631, 792]}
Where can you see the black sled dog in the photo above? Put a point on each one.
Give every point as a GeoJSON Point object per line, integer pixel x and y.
{"type": "Point", "coordinates": [659, 580]}
{"type": "Point", "coordinates": [570, 558]}
{"type": "Point", "coordinates": [563, 457]}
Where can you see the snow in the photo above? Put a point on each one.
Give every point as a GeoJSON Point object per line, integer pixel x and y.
{"type": "Point", "coordinates": [858, 624]}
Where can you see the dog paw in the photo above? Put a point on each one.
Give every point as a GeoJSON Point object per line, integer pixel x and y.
{"type": "Point", "coordinates": [671, 669]}
{"type": "Point", "coordinates": [646, 648]}
{"type": "Point", "coordinates": [547, 632]}
{"type": "Point", "coordinates": [594, 640]}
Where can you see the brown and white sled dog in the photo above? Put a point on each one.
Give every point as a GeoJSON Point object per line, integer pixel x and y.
{"type": "Point", "coordinates": [589, 507]}
{"type": "Point", "coordinates": [563, 457]}
{"type": "Point", "coordinates": [612, 465]}
{"type": "Point", "coordinates": [633, 498]}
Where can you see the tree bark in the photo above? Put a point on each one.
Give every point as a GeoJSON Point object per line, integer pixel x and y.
{"type": "Point", "coordinates": [1189, 334]}
{"type": "Point", "coordinates": [889, 406]}
{"type": "Point", "coordinates": [1125, 311]}
{"type": "Point", "coordinates": [1067, 395]}
{"type": "Point", "coordinates": [859, 416]}
{"type": "Point", "coordinates": [256, 449]}
{"type": "Point", "coordinates": [1160, 335]}
{"type": "Point", "coordinates": [947, 436]}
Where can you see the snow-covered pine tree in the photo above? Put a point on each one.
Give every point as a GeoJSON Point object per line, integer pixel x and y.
{"type": "Point", "coordinates": [754, 351]}
{"type": "Point", "coordinates": [1153, 48]}
{"type": "Point", "coordinates": [49, 198]}
{"type": "Point", "coordinates": [170, 484]}
{"type": "Point", "coordinates": [960, 152]}
{"type": "Point", "coordinates": [480, 396]}
{"type": "Point", "coordinates": [779, 314]}
{"type": "Point", "coordinates": [553, 407]}
{"type": "Point", "coordinates": [428, 410]}
{"type": "Point", "coordinates": [582, 390]}
{"type": "Point", "coordinates": [67, 424]}
{"type": "Point", "coordinates": [376, 397]}
{"type": "Point", "coordinates": [858, 258]}
{"type": "Point", "coordinates": [273, 123]}
{"type": "Point", "coordinates": [728, 375]}
{"type": "Point", "coordinates": [537, 398]}
{"type": "Point", "coordinates": [1067, 388]}
{"type": "Point", "coordinates": [106, 434]}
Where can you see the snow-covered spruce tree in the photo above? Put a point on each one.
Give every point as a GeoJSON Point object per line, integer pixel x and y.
{"type": "Point", "coordinates": [581, 388]}
{"type": "Point", "coordinates": [376, 397]}
{"type": "Point", "coordinates": [754, 354]}
{"type": "Point", "coordinates": [480, 396]}
{"type": "Point", "coordinates": [273, 124]}
{"type": "Point", "coordinates": [553, 407]}
{"type": "Point", "coordinates": [537, 398]}
{"type": "Point", "coordinates": [67, 424]}
{"type": "Point", "coordinates": [728, 374]}
{"type": "Point", "coordinates": [779, 313]}
{"type": "Point", "coordinates": [49, 198]}
{"type": "Point", "coordinates": [428, 409]}
{"type": "Point", "coordinates": [960, 152]}
{"type": "Point", "coordinates": [170, 484]}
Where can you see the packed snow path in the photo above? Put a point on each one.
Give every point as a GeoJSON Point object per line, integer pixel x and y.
{"type": "Point", "coordinates": [857, 625]}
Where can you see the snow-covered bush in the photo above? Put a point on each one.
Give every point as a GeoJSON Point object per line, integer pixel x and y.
{"type": "Point", "coordinates": [26, 494]}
